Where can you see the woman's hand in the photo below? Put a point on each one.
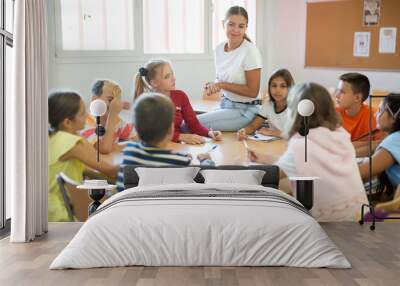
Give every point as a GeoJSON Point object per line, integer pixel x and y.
{"type": "Point", "coordinates": [211, 88]}
{"type": "Point", "coordinates": [270, 132]}
{"type": "Point", "coordinates": [215, 135]}
{"type": "Point", "coordinates": [191, 139]}
{"type": "Point", "coordinates": [242, 134]}
{"type": "Point", "coordinates": [214, 88]}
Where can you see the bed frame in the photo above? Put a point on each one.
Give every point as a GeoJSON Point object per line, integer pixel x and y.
{"type": "Point", "coordinates": [270, 179]}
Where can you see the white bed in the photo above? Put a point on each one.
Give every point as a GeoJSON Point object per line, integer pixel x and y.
{"type": "Point", "coordinates": [203, 225]}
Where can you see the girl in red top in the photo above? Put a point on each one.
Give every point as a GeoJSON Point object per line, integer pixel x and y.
{"type": "Point", "coordinates": [158, 76]}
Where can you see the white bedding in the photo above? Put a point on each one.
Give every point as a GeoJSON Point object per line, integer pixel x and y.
{"type": "Point", "coordinates": [183, 231]}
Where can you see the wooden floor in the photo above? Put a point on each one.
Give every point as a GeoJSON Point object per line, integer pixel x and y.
{"type": "Point", "coordinates": [375, 257]}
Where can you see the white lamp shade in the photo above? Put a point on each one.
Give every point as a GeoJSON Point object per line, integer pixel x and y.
{"type": "Point", "coordinates": [305, 107]}
{"type": "Point", "coordinates": [98, 107]}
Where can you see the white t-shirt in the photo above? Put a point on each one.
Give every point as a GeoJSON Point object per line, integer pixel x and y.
{"type": "Point", "coordinates": [231, 66]}
{"type": "Point", "coordinates": [287, 164]}
{"type": "Point", "coordinates": [276, 120]}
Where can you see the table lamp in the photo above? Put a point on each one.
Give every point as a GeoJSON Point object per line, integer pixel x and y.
{"type": "Point", "coordinates": [305, 108]}
{"type": "Point", "coordinates": [305, 185]}
{"type": "Point", "coordinates": [97, 188]}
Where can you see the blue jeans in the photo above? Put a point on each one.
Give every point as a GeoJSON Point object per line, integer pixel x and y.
{"type": "Point", "coordinates": [231, 117]}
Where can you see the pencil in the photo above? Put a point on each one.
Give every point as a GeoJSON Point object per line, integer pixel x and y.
{"type": "Point", "coordinates": [212, 148]}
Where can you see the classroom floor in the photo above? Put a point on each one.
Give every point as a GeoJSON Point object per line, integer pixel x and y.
{"type": "Point", "coordinates": [374, 255]}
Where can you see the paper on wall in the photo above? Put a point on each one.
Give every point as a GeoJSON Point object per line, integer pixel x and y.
{"type": "Point", "coordinates": [361, 44]}
{"type": "Point", "coordinates": [372, 12]}
{"type": "Point", "coordinates": [387, 40]}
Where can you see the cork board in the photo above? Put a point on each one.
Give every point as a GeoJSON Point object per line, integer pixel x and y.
{"type": "Point", "coordinates": [330, 35]}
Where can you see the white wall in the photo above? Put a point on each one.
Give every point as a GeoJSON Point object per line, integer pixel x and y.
{"type": "Point", "coordinates": [79, 74]}
{"type": "Point", "coordinates": [285, 41]}
{"type": "Point", "coordinates": [80, 77]}
{"type": "Point", "coordinates": [283, 46]}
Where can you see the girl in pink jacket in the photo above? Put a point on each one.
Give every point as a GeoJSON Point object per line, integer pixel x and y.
{"type": "Point", "coordinates": [339, 191]}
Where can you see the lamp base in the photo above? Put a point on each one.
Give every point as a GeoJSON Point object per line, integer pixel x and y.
{"type": "Point", "coordinates": [96, 195]}
{"type": "Point", "coordinates": [305, 190]}
{"type": "Point", "coordinates": [305, 193]}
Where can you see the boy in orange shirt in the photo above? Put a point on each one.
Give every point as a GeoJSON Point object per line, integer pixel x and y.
{"type": "Point", "coordinates": [353, 90]}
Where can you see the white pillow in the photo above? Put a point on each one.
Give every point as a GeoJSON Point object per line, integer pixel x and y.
{"type": "Point", "coordinates": [248, 177]}
{"type": "Point", "coordinates": [166, 176]}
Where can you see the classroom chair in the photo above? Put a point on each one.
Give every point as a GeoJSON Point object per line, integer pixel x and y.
{"type": "Point", "coordinates": [76, 201]}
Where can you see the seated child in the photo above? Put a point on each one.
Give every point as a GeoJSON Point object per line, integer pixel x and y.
{"type": "Point", "coordinates": [158, 76]}
{"type": "Point", "coordinates": [68, 152]}
{"type": "Point", "coordinates": [386, 158]}
{"type": "Point", "coordinates": [274, 109]}
{"type": "Point", "coordinates": [116, 128]}
{"type": "Point", "coordinates": [339, 192]}
{"type": "Point", "coordinates": [155, 132]}
{"type": "Point", "coordinates": [353, 90]}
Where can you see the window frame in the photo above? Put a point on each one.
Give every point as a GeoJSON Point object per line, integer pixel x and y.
{"type": "Point", "coordinates": [137, 55]}
{"type": "Point", "coordinates": [93, 53]}
{"type": "Point", "coordinates": [6, 39]}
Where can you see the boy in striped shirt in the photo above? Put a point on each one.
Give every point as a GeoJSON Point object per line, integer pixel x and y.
{"type": "Point", "coordinates": [154, 118]}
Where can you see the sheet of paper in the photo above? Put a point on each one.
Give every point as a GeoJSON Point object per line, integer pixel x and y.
{"type": "Point", "coordinates": [387, 40]}
{"type": "Point", "coordinates": [361, 44]}
{"type": "Point", "coordinates": [261, 137]}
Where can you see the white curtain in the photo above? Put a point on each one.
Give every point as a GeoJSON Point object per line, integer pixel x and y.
{"type": "Point", "coordinates": [26, 121]}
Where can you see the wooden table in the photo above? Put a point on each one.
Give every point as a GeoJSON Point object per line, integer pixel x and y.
{"type": "Point", "coordinates": [229, 151]}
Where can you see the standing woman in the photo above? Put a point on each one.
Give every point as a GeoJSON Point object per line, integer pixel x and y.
{"type": "Point", "coordinates": [238, 71]}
